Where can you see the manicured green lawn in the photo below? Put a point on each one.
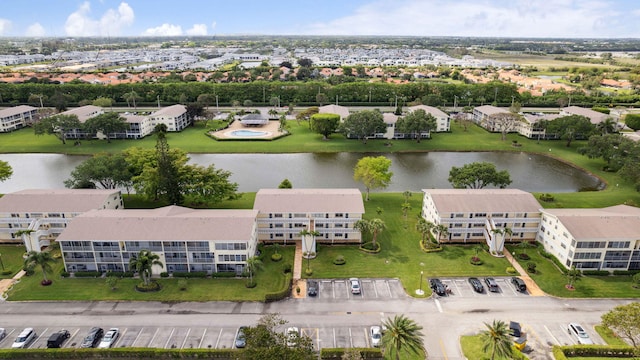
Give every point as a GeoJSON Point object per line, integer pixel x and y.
{"type": "Point", "coordinates": [400, 254]}
{"type": "Point", "coordinates": [609, 337]}
{"type": "Point", "coordinates": [11, 259]}
{"type": "Point", "coordinates": [268, 280]}
{"type": "Point", "coordinates": [553, 282]}
{"type": "Point", "coordinates": [472, 349]}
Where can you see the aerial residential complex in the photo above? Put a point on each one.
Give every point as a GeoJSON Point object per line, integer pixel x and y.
{"type": "Point", "coordinates": [17, 117]}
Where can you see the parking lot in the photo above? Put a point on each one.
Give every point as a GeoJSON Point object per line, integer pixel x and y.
{"type": "Point", "coordinates": [370, 289]}
{"type": "Point", "coordinates": [185, 337]}
{"type": "Point", "coordinates": [460, 287]}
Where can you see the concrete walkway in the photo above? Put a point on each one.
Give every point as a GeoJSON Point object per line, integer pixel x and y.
{"type": "Point", "coordinates": [6, 284]}
{"type": "Point", "coordinates": [532, 287]}
{"type": "Point", "coordinates": [297, 274]}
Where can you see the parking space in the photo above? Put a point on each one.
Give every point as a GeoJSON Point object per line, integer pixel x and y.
{"type": "Point", "coordinates": [331, 337]}
{"type": "Point", "coordinates": [460, 287]}
{"type": "Point", "coordinates": [370, 289]}
{"type": "Point", "coordinates": [557, 334]}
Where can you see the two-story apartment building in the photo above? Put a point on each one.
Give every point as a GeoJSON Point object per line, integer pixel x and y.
{"type": "Point", "coordinates": [174, 117]}
{"type": "Point", "coordinates": [482, 215]}
{"type": "Point", "coordinates": [16, 117]}
{"type": "Point", "coordinates": [184, 239]}
{"type": "Point", "coordinates": [83, 113]}
{"type": "Point", "coordinates": [286, 213]}
{"type": "Point", "coordinates": [593, 239]}
{"type": "Point", "coordinates": [41, 215]}
{"type": "Point", "coordinates": [594, 116]}
{"type": "Point", "coordinates": [443, 122]}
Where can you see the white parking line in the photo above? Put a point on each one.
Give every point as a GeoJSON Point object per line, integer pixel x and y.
{"type": "Point", "coordinates": [333, 288]}
{"type": "Point", "coordinates": [550, 334]}
{"type": "Point", "coordinates": [389, 289]}
{"type": "Point", "coordinates": [366, 337]}
{"type": "Point", "coordinates": [438, 305]}
{"type": "Point", "coordinates": [334, 338]}
{"type": "Point", "coordinates": [350, 338]}
{"type": "Point", "coordinates": [137, 337]}
{"type": "Point", "coordinates": [169, 339]}
{"type": "Point", "coordinates": [202, 339]}
{"type": "Point", "coordinates": [38, 337]}
{"type": "Point", "coordinates": [153, 337]}
{"type": "Point", "coordinates": [185, 338]}
{"type": "Point", "coordinates": [218, 341]}
{"type": "Point", "coordinates": [375, 289]}
{"type": "Point", "coordinates": [120, 337]}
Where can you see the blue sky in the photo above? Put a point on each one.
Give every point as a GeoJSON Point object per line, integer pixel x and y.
{"type": "Point", "coordinates": [501, 18]}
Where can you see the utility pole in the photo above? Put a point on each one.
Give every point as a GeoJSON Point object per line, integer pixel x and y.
{"type": "Point", "coordinates": [455, 103]}
{"type": "Point", "coordinates": [158, 97]}
{"type": "Point", "coordinates": [217, 109]}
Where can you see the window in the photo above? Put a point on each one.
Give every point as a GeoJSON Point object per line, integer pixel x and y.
{"type": "Point", "coordinates": [618, 244]}
{"type": "Point", "coordinates": [591, 244]}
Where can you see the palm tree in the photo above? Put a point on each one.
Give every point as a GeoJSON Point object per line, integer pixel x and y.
{"type": "Point", "coordinates": [424, 227]}
{"type": "Point", "coordinates": [26, 232]}
{"type": "Point", "coordinates": [573, 275]}
{"type": "Point", "coordinates": [407, 194]}
{"type": "Point", "coordinates": [376, 226]}
{"type": "Point", "coordinates": [362, 225]}
{"type": "Point", "coordinates": [402, 334]}
{"type": "Point", "coordinates": [253, 264]}
{"type": "Point", "coordinates": [497, 340]}
{"type": "Point", "coordinates": [607, 126]}
{"type": "Point", "coordinates": [142, 264]}
{"type": "Point", "coordinates": [441, 230]}
{"type": "Point", "coordinates": [42, 259]}
{"type": "Point", "coordinates": [405, 209]}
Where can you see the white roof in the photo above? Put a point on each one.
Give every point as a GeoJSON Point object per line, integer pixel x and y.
{"type": "Point", "coordinates": [173, 111]}
{"type": "Point", "coordinates": [166, 223]}
{"type": "Point", "coordinates": [490, 110]}
{"type": "Point", "coordinates": [595, 116]}
{"type": "Point", "coordinates": [343, 111]}
{"type": "Point", "coordinates": [84, 112]}
{"type": "Point", "coordinates": [483, 200]}
{"type": "Point", "coordinates": [615, 222]}
{"type": "Point", "coordinates": [55, 200]}
{"type": "Point", "coordinates": [429, 110]}
{"type": "Point", "coordinates": [16, 110]}
{"type": "Point", "coordinates": [309, 201]}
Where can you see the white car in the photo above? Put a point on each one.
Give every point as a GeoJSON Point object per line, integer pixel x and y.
{"type": "Point", "coordinates": [109, 338]}
{"type": "Point", "coordinates": [355, 285]}
{"type": "Point", "coordinates": [581, 335]}
{"type": "Point", "coordinates": [292, 336]}
{"type": "Point", "coordinates": [376, 336]}
{"type": "Point", "coordinates": [24, 339]}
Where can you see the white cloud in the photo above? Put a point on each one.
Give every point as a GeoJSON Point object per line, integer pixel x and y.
{"type": "Point", "coordinates": [35, 30]}
{"type": "Point", "coordinates": [520, 18]}
{"type": "Point", "coordinates": [5, 25]}
{"type": "Point", "coordinates": [164, 30]}
{"type": "Point", "coordinates": [112, 22]}
{"type": "Point", "coordinates": [197, 30]}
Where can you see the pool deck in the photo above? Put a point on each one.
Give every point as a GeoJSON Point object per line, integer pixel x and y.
{"type": "Point", "coordinates": [271, 128]}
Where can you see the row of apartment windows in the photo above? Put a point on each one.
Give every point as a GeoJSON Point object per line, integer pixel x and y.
{"type": "Point", "coordinates": [231, 246]}
{"type": "Point", "coordinates": [228, 257]}
{"type": "Point", "coordinates": [326, 236]}
{"type": "Point", "coordinates": [290, 216]}
{"type": "Point", "coordinates": [601, 244]}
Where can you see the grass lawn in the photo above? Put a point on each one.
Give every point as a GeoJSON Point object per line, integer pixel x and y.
{"type": "Point", "coordinates": [269, 279]}
{"type": "Point", "coordinates": [609, 337]}
{"type": "Point", "coordinates": [400, 254]}
{"type": "Point", "coordinates": [472, 349]}
{"type": "Point", "coordinates": [12, 260]}
{"type": "Point", "coordinates": [553, 282]}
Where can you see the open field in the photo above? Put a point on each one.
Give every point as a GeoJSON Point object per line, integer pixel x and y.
{"type": "Point", "coordinates": [540, 61]}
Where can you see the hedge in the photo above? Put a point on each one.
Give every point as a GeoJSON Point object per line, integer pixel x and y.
{"type": "Point", "coordinates": [193, 274]}
{"type": "Point", "coordinates": [596, 272]}
{"type": "Point", "coordinates": [612, 351]}
{"type": "Point", "coordinates": [279, 295]}
{"type": "Point", "coordinates": [336, 353]}
{"type": "Point", "coordinates": [87, 274]}
{"type": "Point", "coordinates": [625, 272]}
{"type": "Point", "coordinates": [121, 353]}
{"type": "Point", "coordinates": [124, 274]}
{"type": "Point", "coordinates": [223, 275]}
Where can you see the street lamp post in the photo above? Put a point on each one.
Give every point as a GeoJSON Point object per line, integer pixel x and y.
{"type": "Point", "coordinates": [420, 291]}
{"type": "Point", "coordinates": [1, 263]}
{"type": "Point", "coordinates": [217, 109]}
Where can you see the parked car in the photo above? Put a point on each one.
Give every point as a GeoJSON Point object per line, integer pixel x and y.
{"type": "Point", "coordinates": [109, 338]}
{"type": "Point", "coordinates": [3, 333]}
{"type": "Point", "coordinates": [355, 285]}
{"type": "Point", "coordinates": [93, 338]}
{"type": "Point", "coordinates": [57, 339]}
{"type": "Point", "coordinates": [292, 336]}
{"type": "Point", "coordinates": [24, 339]}
{"type": "Point", "coordinates": [376, 336]}
{"type": "Point", "coordinates": [492, 285]}
{"type": "Point", "coordinates": [241, 341]}
{"type": "Point", "coordinates": [519, 284]}
{"type": "Point", "coordinates": [312, 287]}
{"type": "Point", "coordinates": [581, 335]}
{"type": "Point", "coordinates": [476, 284]}
{"type": "Point", "coordinates": [438, 287]}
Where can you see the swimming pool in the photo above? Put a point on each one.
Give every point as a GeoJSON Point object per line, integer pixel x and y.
{"type": "Point", "coordinates": [247, 133]}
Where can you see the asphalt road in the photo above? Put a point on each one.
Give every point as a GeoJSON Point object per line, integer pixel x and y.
{"type": "Point", "coordinates": [444, 319]}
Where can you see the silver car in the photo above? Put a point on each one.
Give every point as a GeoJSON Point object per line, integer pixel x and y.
{"type": "Point", "coordinates": [109, 338]}
{"type": "Point", "coordinates": [581, 335]}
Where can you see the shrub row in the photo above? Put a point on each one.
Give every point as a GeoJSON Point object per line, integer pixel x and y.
{"type": "Point", "coordinates": [122, 353]}
{"type": "Point", "coordinates": [430, 249]}
{"type": "Point", "coordinates": [87, 274]}
{"type": "Point", "coordinates": [555, 261]}
{"type": "Point", "coordinates": [625, 272]}
{"type": "Point", "coordinates": [596, 272]}
{"type": "Point", "coordinates": [125, 274]}
{"type": "Point", "coordinates": [223, 275]}
{"type": "Point", "coordinates": [613, 351]}
{"type": "Point", "coordinates": [193, 274]}
{"type": "Point", "coordinates": [279, 295]}
{"type": "Point", "coordinates": [365, 353]}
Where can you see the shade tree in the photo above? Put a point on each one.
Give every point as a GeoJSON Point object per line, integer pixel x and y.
{"type": "Point", "coordinates": [478, 175]}
{"type": "Point", "coordinates": [363, 124]}
{"type": "Point", "coordinates": [373, 172]}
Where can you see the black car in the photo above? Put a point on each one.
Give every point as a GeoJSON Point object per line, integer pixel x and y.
{"type": "Point", "coordinates": [476, 284]}
{"type": "Point", "coordinates": [438, 287]}
{"type": "Point", "coordinates": [519, 284]}
{"type": "Point", "coordinates": [57, 339]}
{"type": "Point", "coordinates": [93, 338]}
{"type": "Point", "coordinates": [241, 341]}
{"type": "Point", "coordinates": [312, 287]}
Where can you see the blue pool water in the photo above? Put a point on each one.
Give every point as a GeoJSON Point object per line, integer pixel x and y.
{"type": "Point", "coordinates": [247, 133]}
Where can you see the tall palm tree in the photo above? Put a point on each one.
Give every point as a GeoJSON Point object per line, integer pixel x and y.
{"type": "Point", "coordinates": [424, 227]}
{"type": "Point", "coordinates": [573, 275]}
{"type": "Point", "coordinates": [402, 334]}
{"type": "Point", "coordinates": [405, 209]}
{"type": "Point", "coordinates": [376, 226]}
{"type": "Point", "coordinates": [42, 259]}
{"type": "Point", "coordinates": [496, 339]}
{"type": "Point", "coordinates": [253, 264]}
{"type": "Point", "coordinates": [441, 230]}
{"type": "Point", "coordinates": [362, 225]}
{"type": "Point", "coordinates": [142, 264]}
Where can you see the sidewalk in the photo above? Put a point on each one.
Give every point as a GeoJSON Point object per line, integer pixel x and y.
{"type": "Point", "coordinates": [6, 284]}
{"type": "Point", "coordinates": [297, 274]}
{"type": "Point", "coordinates": [532, 287]}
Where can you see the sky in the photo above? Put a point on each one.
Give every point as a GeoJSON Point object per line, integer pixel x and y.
{"type": "Point", "coordinates": [464, 18]}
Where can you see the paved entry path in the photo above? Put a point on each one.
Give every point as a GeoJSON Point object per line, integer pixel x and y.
{"type": "Point", "coordinates": [6, 284]}
{"type": "Point", "coordinates": [532, 287]}
{"type": "Point", "coordinates": [297, 273]}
